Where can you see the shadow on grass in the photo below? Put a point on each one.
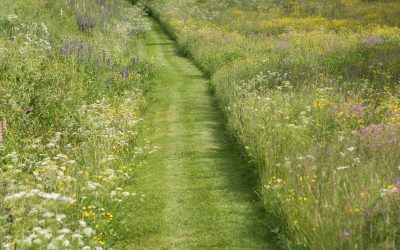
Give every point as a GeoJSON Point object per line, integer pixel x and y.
{"type": "Point", "coordinates": [159, 44]}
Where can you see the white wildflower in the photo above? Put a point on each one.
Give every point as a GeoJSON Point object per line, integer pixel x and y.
{"type": "Point", "coordinates": [82, 223]}
{"type": "Point", "coordinates": [60, 237]}
{"type": "Point", "coordinates": [88, 231]}
{"type": "Point", "coordinates": [81, 242]}
{"type": "Point", "coordinates": [15, 196]}
{"type": "Point", "coordinates": [93, 185]}
{"type": "Point", "coordinates": [27, 241]}
{"type": "Point", "coordinates": [77, 236]}
{"type": "Point", "coordinates": [64, 231]}
{"type": "Point", "coordinates": [50, 196]}
{"type": "Point", "coordinates": [51, 246]}
{"type": "Point", "coordinates": [37, 241]}
{"type": "Point", "coordinates": [60, 217]}
{"type": "Point", "coordinates": [46, 233]}
{"type": "Point", "coordinates": [48, 215]}
{"type": "Point", "coordinates": [50, 145]}
{"type": "Point", "coordinates": [62, 156]}
{"type": "Point", "coordinates": [12, 17]}
{"type": "Point", "coordinates": [351, 149]}
{"type": "Point", "coordinates": [383, 191]}
{"type": "Point", "coordinates": [6, 246]}
{"type": "Point", "coordinates": [66, 243]}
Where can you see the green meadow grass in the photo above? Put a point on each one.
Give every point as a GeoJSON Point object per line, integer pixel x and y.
{"type": "Point", "coordinates": [311, 91]}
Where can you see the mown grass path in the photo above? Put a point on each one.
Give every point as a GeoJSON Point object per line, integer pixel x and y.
{"type": "Point", "coordinates": [196, 192]}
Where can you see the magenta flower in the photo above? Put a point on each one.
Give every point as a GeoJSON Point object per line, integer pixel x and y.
{"type": "Point", "coordinates": [29, 111]}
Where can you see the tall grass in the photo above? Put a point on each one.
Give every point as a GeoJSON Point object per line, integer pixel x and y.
{"type": "Point", "coordinates": [311, 89]}
{"type": "Point", "coordinates": [72, 85]}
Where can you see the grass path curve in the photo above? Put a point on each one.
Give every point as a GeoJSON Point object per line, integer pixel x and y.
{"type": "Point", "coordinates": [194, 192]}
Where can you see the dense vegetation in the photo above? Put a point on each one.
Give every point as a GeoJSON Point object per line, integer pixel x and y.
{"type": "Point", "coordinates": [71, 96]}
{"type": "Point", "coordinates": [311, 90]}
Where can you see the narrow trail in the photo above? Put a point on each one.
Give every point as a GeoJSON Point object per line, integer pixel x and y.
{"type": "Point", "coordinates": [194, 192]}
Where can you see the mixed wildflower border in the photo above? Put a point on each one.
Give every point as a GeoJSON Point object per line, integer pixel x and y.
{"type": "Point", "coordinates": [72, 94]}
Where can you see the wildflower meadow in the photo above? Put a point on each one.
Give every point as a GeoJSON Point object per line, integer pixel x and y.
{"type": "Point", "coordinates": [72, 84]}
{"type": "Point", "coordinates": [311, 91]}
{"type": "Point", "coordinates": [111, 137]}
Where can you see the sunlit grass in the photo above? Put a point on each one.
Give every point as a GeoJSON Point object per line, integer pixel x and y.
{"type": "Point", "coordinates": [311, 91]}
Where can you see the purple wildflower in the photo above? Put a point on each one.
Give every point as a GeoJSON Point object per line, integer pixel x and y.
{"type": "Point", "coordinates": [376, 136]}
{"type": "Point", "coordinates": [372, 40]}
{"type": "Point", "coordinates": [85, 23]}
{"type": "Point", "coordinates": [398, 182]}
{"type": "Point", "coordinates": [358, 110]}
{"type": "Point", "coordinates": [125, 74]}
{"type": "Point", "coordinates": [90, 51]}
{"type": "Point", "coordinates": [282, 45]}
{"type": "Point", "coordinates": [29, 111]}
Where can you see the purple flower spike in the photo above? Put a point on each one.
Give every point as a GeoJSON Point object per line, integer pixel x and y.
{"type": "Point", "coordinates": [125, 74]}
{"type": "Point", "coordinates": [29, 111]}
{"type": "Point", "coordinates": [398, 182]}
